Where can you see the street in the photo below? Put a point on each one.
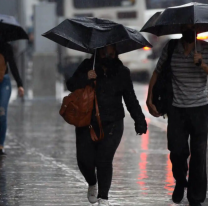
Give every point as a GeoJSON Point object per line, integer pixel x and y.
{"type": "Point", "coordinates": [40, 167]}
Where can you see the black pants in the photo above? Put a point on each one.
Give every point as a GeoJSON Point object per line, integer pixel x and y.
{"type": "Point", "coordinates": [98, 155]}
{"type": "Point", "coordinates": [182, 123]}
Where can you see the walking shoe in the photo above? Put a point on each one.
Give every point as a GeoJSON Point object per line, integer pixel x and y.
{"type": "Point", "coordinates": [178, 193]}
{"type": "Point", "coordinates": [194, 204]}
{"type": "Point", "coordinates": [102, 202]}
{"type": "Point", "coordinates": [2, 153]}
{"type": "Point", "coordinates": [92, 194]}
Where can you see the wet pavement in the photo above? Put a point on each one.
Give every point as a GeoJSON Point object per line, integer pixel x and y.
{"type": "Point", "coordinates": [40, 168]}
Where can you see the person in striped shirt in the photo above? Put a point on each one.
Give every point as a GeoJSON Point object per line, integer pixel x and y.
{"type": "Point", "coordinates": [187, 115]}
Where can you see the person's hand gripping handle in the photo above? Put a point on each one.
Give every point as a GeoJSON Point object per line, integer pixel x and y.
{"type": "Point", "coordinates": [197, 59]}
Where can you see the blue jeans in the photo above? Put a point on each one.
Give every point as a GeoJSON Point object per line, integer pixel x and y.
{"type": "Point", "coordinates": [5, 93]}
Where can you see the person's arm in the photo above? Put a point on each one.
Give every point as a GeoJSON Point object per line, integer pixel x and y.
{"type": "Point", "coordinates": [204, 66]}
{"type": "Point", "coordinates": [14, 70]}
{"type": "Point", "coordinates": [133, 106]}
{"type": "Point", "coordinates": [80, 78]}
{"type": "Point", "coordinates": [12, 66]}
{"type": "Point", "coordinates": [151, 107]}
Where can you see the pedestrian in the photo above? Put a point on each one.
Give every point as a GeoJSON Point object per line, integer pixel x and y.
{"type": "Point", "coordinates": [112, 83]}
{"type": "Point", "coordinates": [187, 115]}
{"type": "Point", "coordinates": [7, 62]}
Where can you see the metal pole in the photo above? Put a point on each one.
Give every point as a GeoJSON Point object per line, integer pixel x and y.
{"type": "Point", "coordinates": [94, 59]}
{"type": "Point", "coordinates": [195, 43]}
{"type": "Point", "coordinates": [200, 60]}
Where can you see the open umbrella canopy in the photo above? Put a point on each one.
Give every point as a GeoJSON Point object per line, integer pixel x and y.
{"type": "Point", "coordinates": [10, 29]}
{"type": "Point", "coordinates": [171, 19]}
{"type": "Point", "coordinates": [88, 34]}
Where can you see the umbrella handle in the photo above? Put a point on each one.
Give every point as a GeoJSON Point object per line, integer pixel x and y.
{"type": "Point", "coordinates": [200, 61]}
{"type": "Point", "coordinates": [195, 43]}
{"type": "Point", "coordinates": [94, 59]}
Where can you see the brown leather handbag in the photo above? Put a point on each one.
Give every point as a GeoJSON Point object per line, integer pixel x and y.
{"type": "Point", "coordinates": [2, 67]}
{"type": "Point", "coordinates": [77, 109]}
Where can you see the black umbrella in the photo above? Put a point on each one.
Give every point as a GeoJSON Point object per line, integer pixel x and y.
{"type": "Point", "coordinates": [171, 19]}
{"type": "Point", "coordinates": [10, 29]}
{"type": "Point", "coordinates": [88, 34]}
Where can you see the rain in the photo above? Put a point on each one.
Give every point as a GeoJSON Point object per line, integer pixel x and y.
{"type": "Point", "coordinates": [85, 98]}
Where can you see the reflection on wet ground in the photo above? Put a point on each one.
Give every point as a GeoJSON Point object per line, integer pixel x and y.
{"type": "Point", "coordinates": [41, 168]}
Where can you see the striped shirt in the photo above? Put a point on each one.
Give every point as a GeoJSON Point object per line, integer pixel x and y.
{"type": "Point", "coordinates": [189, 81]}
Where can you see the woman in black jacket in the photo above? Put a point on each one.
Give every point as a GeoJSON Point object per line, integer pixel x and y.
{"type": "Point", "coordinates": [113, 82]}
{"type": "Point", "coordinates": [5, 89]}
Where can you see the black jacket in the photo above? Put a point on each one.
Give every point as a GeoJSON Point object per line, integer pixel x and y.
{"type": "Point", "coordinates": [7, 52]}
{"type": "Point", "coordinates": [110, 89]}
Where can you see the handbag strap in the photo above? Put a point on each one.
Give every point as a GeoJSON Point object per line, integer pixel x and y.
{"type": "Point", "coordinates": [92, 132]}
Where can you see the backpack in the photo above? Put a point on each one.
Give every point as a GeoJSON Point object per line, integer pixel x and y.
{"type": "Point", "coordinates": [3, 67]}
{"type": "Point", "coordinates": [163, 91]}
{"type": "Point", "coordinates": [77, 110]}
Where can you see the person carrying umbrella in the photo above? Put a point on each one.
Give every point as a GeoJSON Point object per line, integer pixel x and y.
{"type": "Point", "coordinates": [10, 30]}
{"type": "Point", "coordinates": [188, 113]}
{"type": "Point", "coordinates": [113, 82]}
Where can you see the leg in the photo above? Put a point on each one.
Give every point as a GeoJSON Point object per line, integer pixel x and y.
{"type": "Point", "coordinates": [178, 144]}
{"type": "Point", "coordinates": [5, 93]}
{"type": "Point", "coordinates": [104, 156]}
{"type": "Point", "coordinates": [180, 165]}
{"type": "Point", "coordinates": [197, 186]}
{"type": "Point", "coordinates": [86, 155]}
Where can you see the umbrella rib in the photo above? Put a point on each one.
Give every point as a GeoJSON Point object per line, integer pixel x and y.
{"type": "Point", "coordinates": [69, 39]}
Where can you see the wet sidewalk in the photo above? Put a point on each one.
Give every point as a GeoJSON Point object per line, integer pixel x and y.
{"type": "Point", "coordinates": [40, 168]}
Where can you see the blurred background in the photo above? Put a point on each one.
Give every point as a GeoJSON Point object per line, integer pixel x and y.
{"type": "Point", "coordinates": [41, 166]}
{"type": "Point", "coordinates": [44, 66]}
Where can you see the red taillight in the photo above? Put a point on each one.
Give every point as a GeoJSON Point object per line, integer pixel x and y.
{"type": "Point", "coordinates": [146, 48]}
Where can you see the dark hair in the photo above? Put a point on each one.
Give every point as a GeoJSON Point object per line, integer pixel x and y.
{"type": "Point", "coordinates": [184, 26]}
{"type": "Point", "coordinates": [98, 50]}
